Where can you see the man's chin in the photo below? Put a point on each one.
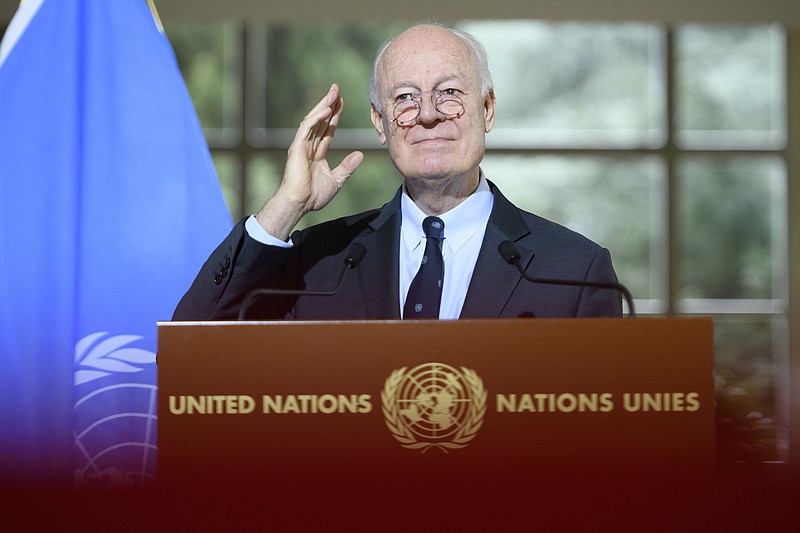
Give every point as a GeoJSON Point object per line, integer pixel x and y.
{"type": "Point", "coordinates": [432, 175]}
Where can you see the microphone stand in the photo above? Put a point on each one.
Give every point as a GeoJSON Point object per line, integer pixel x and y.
{"type": "Point", "coordinates": [511, 255]}
{"type": "Point", "coordinates": [357, 252]}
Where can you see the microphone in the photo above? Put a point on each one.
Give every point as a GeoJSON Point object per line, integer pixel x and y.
{"type": "Point", "coordinates": [354, 256]}
{"type": "Point", "coordinates": [512, 257]}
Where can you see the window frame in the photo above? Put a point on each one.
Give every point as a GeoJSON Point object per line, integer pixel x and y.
{"type": "Point", "coordinates": [256, 142]}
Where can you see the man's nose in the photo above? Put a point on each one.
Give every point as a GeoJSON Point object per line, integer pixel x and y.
{"type": "Point", "coordinates": [427, 110]}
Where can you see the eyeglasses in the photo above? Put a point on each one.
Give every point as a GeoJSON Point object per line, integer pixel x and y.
{"type": "Point", "coordinates": [445, 101]}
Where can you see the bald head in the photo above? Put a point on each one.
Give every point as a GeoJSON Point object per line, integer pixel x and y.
{"type": "Point", "coordinates": [474, 55]}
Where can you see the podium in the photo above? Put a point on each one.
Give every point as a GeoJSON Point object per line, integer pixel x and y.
{"type": "Point", "coordinates": [500, 411]}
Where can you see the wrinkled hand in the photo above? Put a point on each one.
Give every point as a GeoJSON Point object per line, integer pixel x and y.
{"type": "Point", "coordinates": [309, 183]}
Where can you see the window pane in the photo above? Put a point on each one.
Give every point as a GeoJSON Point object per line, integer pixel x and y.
{"type": "Point", "coordinates": [294, 66]}
{"type": "Point", "coordinates": [616, 202]}
{"type": "Point", "coordinates": [730, 86]}
{"type": "Point", "coordinates": [731, 227]}
{"type": "Point", "coordinates": [262, 179]}
{"type": "Point", "coordinates": [747, 423]}
{"type": "Point", "coordinates": [229, 172]}
{"type": "Point", "coordinates": [209, 57]}
{"type": "Point", "coordinates": [374, 183]}
{"type": "Point", "coordinates": [575, 84]}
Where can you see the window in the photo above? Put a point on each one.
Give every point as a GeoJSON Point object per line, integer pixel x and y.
{"type": "Point", "coordinates": [666, 145]}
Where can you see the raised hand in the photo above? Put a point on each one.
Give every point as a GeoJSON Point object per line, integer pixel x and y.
{"type": "Point", "coordinates": [309, 183]}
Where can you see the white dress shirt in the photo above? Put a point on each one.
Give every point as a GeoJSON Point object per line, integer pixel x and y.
{"type": "Point", "coordinates": [464, 227]}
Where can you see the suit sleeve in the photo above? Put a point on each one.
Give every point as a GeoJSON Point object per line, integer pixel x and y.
{"type": "Point", "coordinates": [597, 302]}
{"type": "Point", "coordinates": [238, 265]}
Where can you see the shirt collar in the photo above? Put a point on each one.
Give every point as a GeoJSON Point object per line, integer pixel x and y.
{"type": "Point", "coordinates": [460, 223]}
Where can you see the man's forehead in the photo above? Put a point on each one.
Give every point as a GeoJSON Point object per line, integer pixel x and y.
{"type": "Point", "coordinates": [426, 40]}
{"type": "Point", "coordinates": [413, 60]}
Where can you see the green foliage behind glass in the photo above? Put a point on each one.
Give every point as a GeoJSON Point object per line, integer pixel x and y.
{"type": "Point", "coordinates": [303, 61]}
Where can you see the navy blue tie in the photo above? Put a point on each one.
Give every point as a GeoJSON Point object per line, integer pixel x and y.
{"type": "Point", "coordinates": [425, 294]}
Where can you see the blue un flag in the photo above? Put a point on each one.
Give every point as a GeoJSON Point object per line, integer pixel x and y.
{"type": "Point", "coordinates": [109, 203]}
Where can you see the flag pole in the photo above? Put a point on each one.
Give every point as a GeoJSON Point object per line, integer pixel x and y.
{"type": "Point", "coordinates": [152, 5]}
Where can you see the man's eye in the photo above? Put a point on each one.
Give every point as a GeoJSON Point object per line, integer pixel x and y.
{"type": "Point", "coordinates": [451, 92]}
{"type": "Point", "coordinates": [404, 96]}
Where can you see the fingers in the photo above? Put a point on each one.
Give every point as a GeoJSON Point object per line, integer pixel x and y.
{"type": "Point", "coordinates": [325, 136]}
{"type": "Point", "coordinates": [325, 110]}
{"type": "Point", "coordinates": [327, 102]}
{"type": "Point", "coordinates": [316, 130]}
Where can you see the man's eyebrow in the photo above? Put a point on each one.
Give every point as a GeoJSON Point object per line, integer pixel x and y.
{"type": "Point", "coordinates": [402, 85]}
{"type": "Point", "coordinates": [406, 84]}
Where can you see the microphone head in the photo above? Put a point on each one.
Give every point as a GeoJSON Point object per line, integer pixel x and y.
{"type": "Point", "coordinates": [509, 252]}
{"type": "Point", "coordinates": [355, 254]}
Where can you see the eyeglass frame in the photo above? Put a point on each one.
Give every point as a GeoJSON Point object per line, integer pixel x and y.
{"type": "Point", "coordinates": [436, 95]}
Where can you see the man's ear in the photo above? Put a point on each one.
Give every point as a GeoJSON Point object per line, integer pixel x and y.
{"type": "Point", "coordinates": [489, 105]}
{"type": "Point", "coordinates": [377, 121]}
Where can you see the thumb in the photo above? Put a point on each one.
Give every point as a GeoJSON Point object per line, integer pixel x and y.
{"type": "Point", "coordinates": [348, 166]}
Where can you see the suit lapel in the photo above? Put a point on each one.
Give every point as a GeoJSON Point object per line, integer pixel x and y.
{"type": "Point", "coordinates": [494, 280]}
{"type": "Point", "coordinates": [379, 272]}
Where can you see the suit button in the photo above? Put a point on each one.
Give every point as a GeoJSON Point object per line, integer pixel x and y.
{"type": "Point", "coordinates": [217, 278]}
{"type": "Point", "coordinates": [223, 268]}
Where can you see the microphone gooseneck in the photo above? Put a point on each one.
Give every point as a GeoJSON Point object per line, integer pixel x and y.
{"type": "Point", "coordinates": [512, 256]}
{"type": "Point", "coordinates": [354, 256]}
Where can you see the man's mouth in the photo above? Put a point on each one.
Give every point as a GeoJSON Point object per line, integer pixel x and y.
{"type": "Point", "coordinates": [431, 140]}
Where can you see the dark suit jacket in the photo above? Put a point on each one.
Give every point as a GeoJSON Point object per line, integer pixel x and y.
{"type": "Point", "coordinates": [316, 260]}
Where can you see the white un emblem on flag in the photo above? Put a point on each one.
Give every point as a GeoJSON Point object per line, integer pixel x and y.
{"type": "Point", "coordinates": [115, 415]}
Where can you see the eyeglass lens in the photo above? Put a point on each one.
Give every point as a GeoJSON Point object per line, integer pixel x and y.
{"type": "Point", "coordinates": [407, 111]}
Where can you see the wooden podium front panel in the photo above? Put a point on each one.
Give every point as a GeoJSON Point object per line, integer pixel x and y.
{"type": "Point", "coordinates": [398, 406]}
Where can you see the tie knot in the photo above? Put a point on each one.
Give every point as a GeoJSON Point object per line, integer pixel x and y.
{"type": "Point", "coordinates": [433, 227]}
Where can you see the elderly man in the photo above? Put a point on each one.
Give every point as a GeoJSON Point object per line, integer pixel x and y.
{"type": "Point", "coordinates": [431, 251]}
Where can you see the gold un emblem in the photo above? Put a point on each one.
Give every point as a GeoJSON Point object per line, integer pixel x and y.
{"type": "Point", "coordinates": [434, 405]}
